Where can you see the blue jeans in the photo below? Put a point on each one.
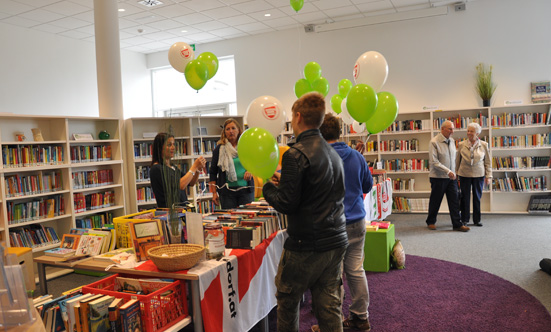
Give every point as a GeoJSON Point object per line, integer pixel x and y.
{"type": "Point", "coordinates": [354, 270]}
{"type": "Point", "coordinates": [439, 187]}
{"type": "Point", "coordinates": [321, 272]}
{"type": "Point", "coordinates": [477, 184]}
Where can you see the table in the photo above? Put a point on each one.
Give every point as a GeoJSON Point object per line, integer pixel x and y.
{"type": "Point", "coordinates": [247, 274]}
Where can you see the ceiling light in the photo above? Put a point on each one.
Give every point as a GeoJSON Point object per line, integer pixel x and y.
{"type": "Point", "coordinates": [122, 9]}
{"type": "Point", "coordinates": [150, 3]}
{"type": "Point", "coordinates": [267, 15]}
{"type": "Point", "coordinates": [184, 31]}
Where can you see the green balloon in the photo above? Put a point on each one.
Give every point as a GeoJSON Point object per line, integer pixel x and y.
{"type": "Point", "coordinates": [196, 74]}
{"type": "Point", "coordinates": [258, 152]}
{"type": "Point", "coordinates": [211, 61]}
{"type": "Point", "coordinates": [385, 113]}
{"type": "Point", "coordinates": [336, 102]}
{"type": "Point", "coordinates": [297, 4]}
{"type": "Point", "coordinates": [361, 102]}
{"type": "Point", "coordinates": [302, 86]}
{"type": "Point", "coordinates": [312, 71]}
{"type": "Point", "coordinates": [321, 85]}
{"type": "Point", "coordinates": [344, 87]}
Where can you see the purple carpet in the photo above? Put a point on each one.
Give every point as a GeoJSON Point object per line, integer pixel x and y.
{"type": "Point", "coordinates": [432, 295]}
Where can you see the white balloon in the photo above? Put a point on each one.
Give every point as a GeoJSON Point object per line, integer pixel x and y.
{"type": "Point", "coordinates": [359, 128]}
{"type": "Point", "coordinates": [371, 68]}
{"type": "Point", "coordinates": [266, 112]}
{"type": "Point", "coordinates": [345, 116]}
{"type": "Point", "coordinates": [179, 55]}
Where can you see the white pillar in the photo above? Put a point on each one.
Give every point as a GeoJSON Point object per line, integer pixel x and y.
{"type": "Point", "coordinates": [108, 58]}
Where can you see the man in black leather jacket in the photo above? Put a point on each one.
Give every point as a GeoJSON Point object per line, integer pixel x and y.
{"type": "Point", "coordinates": [310, 190]}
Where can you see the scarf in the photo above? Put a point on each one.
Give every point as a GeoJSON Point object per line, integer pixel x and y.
{"type": "Point", "coordinates": [225, 161]}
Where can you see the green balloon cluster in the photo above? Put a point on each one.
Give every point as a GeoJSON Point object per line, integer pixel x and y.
{"type": "Point", "coordinates": [297, 4]}
{"type": "Point", "coordinates": [200, 70]}
{"type": "Point", "coordinates": [344, 87]}
{"type": "Point", "coordinates": [258, 152]}
{"type": "Point", "coordinates": [313, 81]}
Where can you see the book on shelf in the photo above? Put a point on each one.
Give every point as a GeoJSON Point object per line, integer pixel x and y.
{"type": "Point", "coordinates": [541, 92]}
{"type": "Point", "coordinates": [60, 252]}
{"type": "Point", "coordinates": [70, 241]}
{"type": "Point", "coordinates": [540, 204]}
{"type": "Point", "coordinates": [99, 314]}
{"type": "Point", "coordinates": [131, 316]}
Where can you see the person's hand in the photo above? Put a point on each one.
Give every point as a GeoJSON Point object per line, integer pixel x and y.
{"type": "Point", "coordinates": [451, 175]}
{"type": "Point", "coordinates": [199, 164]}
{"type": "Point", "coordinates": [247, 176]}
{"type": "Point", "coordinates": [215, 198]}
{"type": "Point", "coordinates": [488, 181]}
{"type": "Point", "coordinates": [360, 147]}
{"type": "Point", "coordinates": [275, 178]}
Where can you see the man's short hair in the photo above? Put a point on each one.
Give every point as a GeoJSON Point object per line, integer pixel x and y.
{"type": "Point", "coordinates": [312, 108]}
{"type": "Point", "coordinates": [330, 128]}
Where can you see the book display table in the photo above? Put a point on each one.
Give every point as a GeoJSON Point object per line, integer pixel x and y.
{"type": "Point", "coordinates": [377, 248]}
{"type": "Point", "coordinates": [232, 294]}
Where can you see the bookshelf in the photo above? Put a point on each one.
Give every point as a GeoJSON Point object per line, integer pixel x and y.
{"type": "Point", "coordinates": [37, 189]}
{"type": "Point", "coordinates": [194, 136]}
{"type": "Point", "coordinates": [520, 147]}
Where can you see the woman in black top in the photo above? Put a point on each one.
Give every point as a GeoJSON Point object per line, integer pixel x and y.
{"type": "Point", "coordinates": [168, 181]}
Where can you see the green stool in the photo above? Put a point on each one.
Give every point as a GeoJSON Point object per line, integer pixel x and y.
{"type": "Point", "coordinates": [377, 249]}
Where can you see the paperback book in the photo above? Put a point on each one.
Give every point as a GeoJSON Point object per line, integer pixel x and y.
{"type": "Point", "coordinates": [60, 252]}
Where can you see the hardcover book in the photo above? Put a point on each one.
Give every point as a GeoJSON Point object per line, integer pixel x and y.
{"type": "Point", "coordinates": [60, 252]}
{"type": "Point", "coordinates": [114, 315]}
{"type": "Point", "coordinates": [85, 312]}
{"type": "Point", "coordinates": [541, 92]}
{"type": "Point", "coordinates": [131, 316]}
{"type": "Point", "coordinates": [99, 314]}
{"type": "Point", "coordinates": [89, 245]}
{"type": "Point", "coordinates": [70, 241]}
{"type": "Point", "coordinates": [145, 235]}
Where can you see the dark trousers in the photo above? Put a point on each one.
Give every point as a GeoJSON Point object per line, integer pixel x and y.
{"type": "Point", "coordinates": [235, 198]}
{"type": "Point", "coordinates": [466, 184]}
{"type": "Point", "coordinates": [439, 187]}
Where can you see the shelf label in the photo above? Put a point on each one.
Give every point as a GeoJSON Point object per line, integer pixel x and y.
{"type": "Point", "coordinates": [513, 102]}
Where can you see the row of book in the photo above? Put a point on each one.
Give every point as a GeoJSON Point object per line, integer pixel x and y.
{"type": "Point", "coordinates": [142, 173]}
{"type": "Point", "coordinates": [527, 162]}
{"type": "Point", "coordinates": [33, 236]}
{"type": "Point", "coordinates": [205, 206]}
{"type": "Point", "coordinates": [43, 182]}
{"type": "Point", "coordinates": [406, 165]}
{"type": "Point", "coordinates": [521, 141]}
{"type": "Point", "coordinates": [93, 201]}
{"type": "Point", "coordinates": [143, 150]}
{"type": "Point", "coordinates": [203, 146]}
{"type": "Point", "coordinates": [145, 194]}
{"type": "Point", "coordinates": [90, 153]}
{"type": "Point", "coordinates": [403, 184]}
{"type": "Point", "coordinates": [461, 122]}
{"type": "Point", "coordinates": [403, 204]}
{"type": "Point", "coordinates": [521, 119]}
{"type": "Point", "coordinates": [408, 125]}
{"type": "Point", "coordinates": [94, 221]}
{"type": "Point", "coordinates": [399, 145]}
{"type": "Point", "coordinates": [32, 155]}
{"type": "Point", "coordinates": [520, 183]}
{"type": "Point", "coordinates": [44, 207]}
{"type": "Point", "coordinates": [91, 179]}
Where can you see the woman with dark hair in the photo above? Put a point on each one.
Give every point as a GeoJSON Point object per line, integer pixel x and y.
{"type": "Point", "coordinates": [168, 181]}
{"type": "Point", "coordinates": [230, 184]}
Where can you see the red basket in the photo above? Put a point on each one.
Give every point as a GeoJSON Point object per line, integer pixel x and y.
{"type": "Point", "coordinates": [159, 310]}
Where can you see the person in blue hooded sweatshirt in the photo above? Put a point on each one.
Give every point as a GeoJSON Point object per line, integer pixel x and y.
{"type": "Point", "coordinates": [358, 181]}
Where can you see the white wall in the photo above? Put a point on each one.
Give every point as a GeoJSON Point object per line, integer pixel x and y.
{"type": "Point", "coordinates": [46, 74]}
{"type": "Point", "coordinates": [431, 60]}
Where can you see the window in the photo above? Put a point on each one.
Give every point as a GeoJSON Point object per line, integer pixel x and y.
{"type": "Point", "coordinates": [172, 96]}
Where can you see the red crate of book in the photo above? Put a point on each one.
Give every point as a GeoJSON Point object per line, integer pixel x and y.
{"type": "Point", "coordinates": [160, 309]}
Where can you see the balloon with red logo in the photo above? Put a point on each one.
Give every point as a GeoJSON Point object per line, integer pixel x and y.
{"type": "Point", "coordinates": [179, 55]}
{"type": "Point", "coordinates": [266, 112]}
{"type": "Point", "coordinates": [371, 69]}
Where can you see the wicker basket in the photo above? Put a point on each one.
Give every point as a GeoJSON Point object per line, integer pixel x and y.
{"type": "Point", "coordinates": [176, 257]}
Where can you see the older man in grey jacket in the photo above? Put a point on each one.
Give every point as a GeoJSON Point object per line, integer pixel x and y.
{"type": "Point", "coordinates": [443, 179]}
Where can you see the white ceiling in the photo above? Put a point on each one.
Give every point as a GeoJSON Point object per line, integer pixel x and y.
{"type": "Point", "coordinates": [152, 29]}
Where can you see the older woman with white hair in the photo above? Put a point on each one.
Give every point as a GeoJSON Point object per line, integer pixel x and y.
{"type": "Point", "coordinates": [474, 167]}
